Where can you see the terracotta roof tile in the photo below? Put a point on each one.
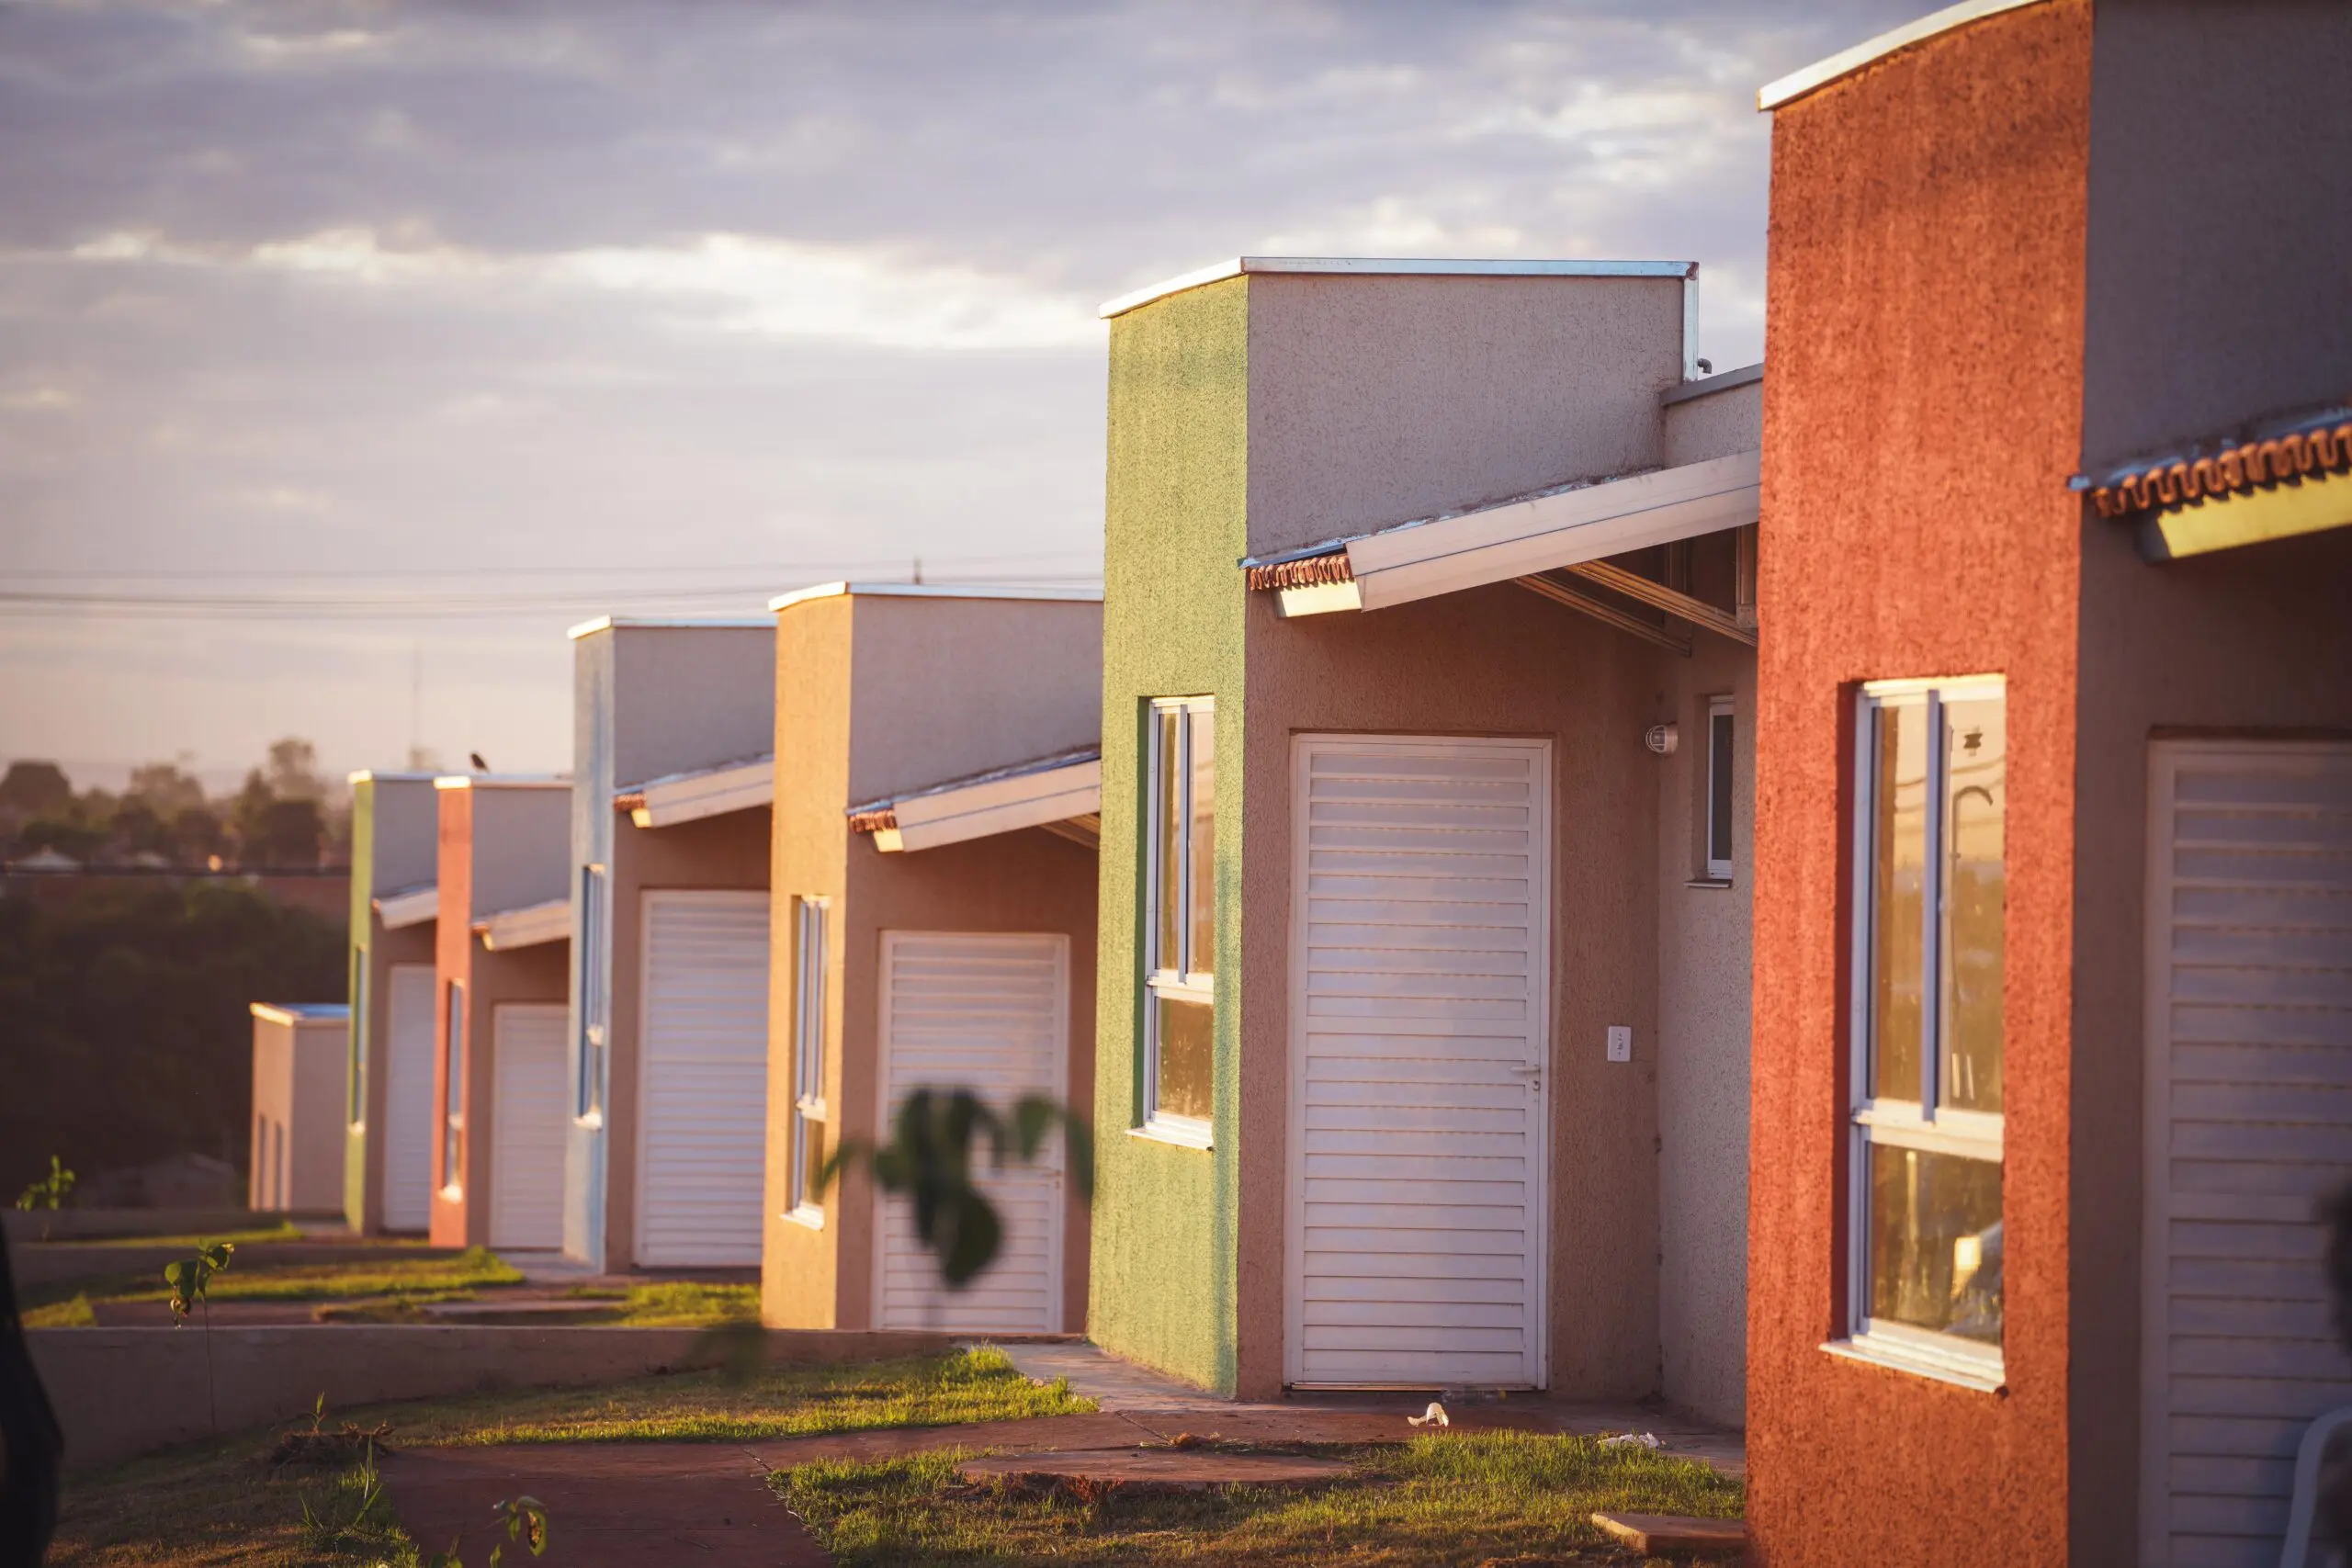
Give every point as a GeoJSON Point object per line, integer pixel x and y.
{"type": "Point", "coordinates": [2325, 449]}
{"type": "Point", "coordinates": [1311, 572]}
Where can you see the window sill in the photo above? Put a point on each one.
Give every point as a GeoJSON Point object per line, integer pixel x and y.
{"type": "Point", "coordinates": [1716, 882]}
{"type": "Point", "coordinates": [814, 1219]}
{"type": "Point", "coordinates": [1183, 1134]}
{"type": "Point", "coordinates": [593, 1122]}
{"type": "Point", "coordinates": [1980, 1371]}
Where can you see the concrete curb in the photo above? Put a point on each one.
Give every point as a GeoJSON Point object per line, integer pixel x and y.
{"type": "Point", "coordinates": [120, 1392]}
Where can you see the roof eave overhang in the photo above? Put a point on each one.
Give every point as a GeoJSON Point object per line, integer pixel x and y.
{"type": "Point", "coordinates": [2274, 481]}
{"type": "Point", "coordinates": [532, 925]}
{"type": "Point", "coordinates": [690, 798]}
{"type": "Point", "coordinates": [935, 818]}
{"type": "Point", "coordinates": [1520, 538]}
{"type": "Point", "coordinates": [408, 907]}
{"type": "Point", "coordinates": [1845, 63]}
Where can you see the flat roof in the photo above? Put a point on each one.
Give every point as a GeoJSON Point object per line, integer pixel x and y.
{"type": "Point", "coordinates": [1396, 266]}
{"type": "Point", "coordinates": [388, 775]}
{"type": "Point", "coordinates": [1845, 63]}
{"type": "Point", "coordinates": [930, 591]}
{"type": "Point", "coordinates": [1720, 381]}
{"type": "Point", "coordinates": [674, 623]}
{"type": "Point", "coordinates": [503, 780]}
{"type": "Point", "coordinates": [302, 1012]}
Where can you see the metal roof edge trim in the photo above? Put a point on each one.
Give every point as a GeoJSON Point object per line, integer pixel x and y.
{"type": "Point", "coordinates": [302, 1012]}
{"type": "Point", "coordinates": [1393, 267]}
{"type": "Point", "coordinates": [672, 622]}
{"type": "Point", "coordinates": [388, 775]}
{"type": "Point", "coordinates": [503, 780]}
{"type": "Point", "coordinates": [932, 591]}
{"type": "Point", "coordinates": [689, 775]}
{"type": "Point", "coordinates": [1845, 63]}
{"type": "Point", "coordinates": [1722, 381]}
{"type": "Point", "coordinates": [1076, 757]}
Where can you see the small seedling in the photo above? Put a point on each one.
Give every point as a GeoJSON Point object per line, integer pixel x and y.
{"type": "Point", "coordinates": [323, 1531]}
{"type": "Point", "coordinates": [190, 1280]}
{"type": "Point", "coordinates": [526, 1519]}
{"type": "Point", "coordinates": [49, 1192]}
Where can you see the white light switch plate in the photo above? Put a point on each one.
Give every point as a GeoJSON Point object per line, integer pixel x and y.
{"type": "Point", "coordinates": [1620, 1043]}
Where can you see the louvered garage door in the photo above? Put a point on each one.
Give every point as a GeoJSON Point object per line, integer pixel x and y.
{"type": "Point", "coordinates": [408, 1099]}
{"type": "Point", "coordinates": [2249, 1081]}
{"type": "Point", "coordinates": [530, 1108]}
{"type": "Point", "coordinates": [989, 1013]}
{"type": "Point", "coordinates": [702, 1080]}
{"type": "Point", "coordinates": [1418, 1039]}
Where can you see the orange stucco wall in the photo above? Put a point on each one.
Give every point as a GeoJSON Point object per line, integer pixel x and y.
{"type": "Point", "coordinates": [1925, 329]}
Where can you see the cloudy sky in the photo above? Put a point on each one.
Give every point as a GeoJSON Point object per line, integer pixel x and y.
{"type": "Point", "coordinates": [349, 351]}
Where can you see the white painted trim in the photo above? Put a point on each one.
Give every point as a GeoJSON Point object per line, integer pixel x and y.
{"type": "Point", "coordinates": [930, 591]}
{"type": "Point", "coordinates": [1539, 946]}
{"type": "Point", "coordinates": [1708, 386]}
{"type": "Point", "coordinates": [706, 792]}
{"type": "Point", "coordinates": [528, 926]}
{"type": "Point", "coordinates": [667, 623]}
{"type": "Point", "coordinates": [1932, 1356]}
{"type": "Point", "coordinates": [1319, 599]}
{"type": "Point", "coordinates": [408, 907]}
{"type": "Point", "coordinates": [1497, 543]}
{"type": "Point", "coordinates": [380, 776]}
{"type": "Point", "coordinates": [996, 806]}
{"type": "Point", "coordinates": [1392, 266]}
{"type": "Point", "coordinates": [1845, 63]}
{"type": "Point", "coordinates": [1184, 1131]}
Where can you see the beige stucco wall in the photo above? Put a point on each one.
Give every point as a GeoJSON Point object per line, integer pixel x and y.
{"type": "Point", "coordinates": [1701, 1044]}
{"type": "Point", "coordinates": [689, 697]}
{"type": "Point", "coordinates": [1376, 401]}
{"type": "Point", "coordinates": [1495, 661]}
{"type": "Point", "coordinates": [891, 693]}
{"type": "Point", "coordinates": [299, 1083]}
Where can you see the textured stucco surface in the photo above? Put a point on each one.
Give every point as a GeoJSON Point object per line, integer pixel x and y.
{"type": "Point", "coordinates": [1701, 1047]}
{"type": "Point", "coordinates": [1715, 425]}
{"type": "Point", "coordinates": [395, 842]}
{"type": "Point", "coordinates": [502, 847]}
{"type": "Point", "coordinates": [1173, 607]}
{"type": "Point", "coordinates": [1379, 400]}
{"type": "Point", "coordinates": [299, 1082]}
{"type": "Point", "coordinates": [891, 694]}
{"type": "Point", "coordinates": [1924, 330]}
{"type": "Point", "coordinates": [2221, 218]}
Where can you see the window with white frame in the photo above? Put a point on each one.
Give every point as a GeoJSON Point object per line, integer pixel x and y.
{"type": "Point", "coordinates": [808, 1157]}
{"type": "Point", "coordinates": [595, 989]}
{"type": "Point", "coordinates": [1925, 1141]}
{"type": "Point", "coordinates": [1180, 939]}
{"type": "Point", "coordinates": [453, 1100]}
{"type": "Point", "coordinates": [1720, 799]}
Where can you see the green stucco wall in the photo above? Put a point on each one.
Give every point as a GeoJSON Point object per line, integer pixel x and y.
{"type": "Point", "coordinates": [1165, 1217]}
{"type": "Point", "coordinates": [363, 894]}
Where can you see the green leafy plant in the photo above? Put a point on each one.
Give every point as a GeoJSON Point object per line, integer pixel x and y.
{"type": "Point", "coordinates": [526, 1519]}
{"type": "Point", "coordinates": [929, 1157]}
{"type": "Point", "coordinates": [49, 1192]}
{"type": "Point", "coordinates": [190, 1279]}
{"type": "Point", "coordinates": [325, 1532]}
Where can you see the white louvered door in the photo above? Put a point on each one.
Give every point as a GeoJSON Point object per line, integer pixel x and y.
{"type": "Point", "coordinates": [990, 1013]}
{"type": "Point", "coordinates": [2249, 1091]}
{"type": "Point", "coordinates": [408, 1098]}
{"type": "Point", "coordinates": [530, 1108]}
{"type": "Point", "coordinates": [1420, 894]}
{"type": "Point", "coordinates": [702, 1080]}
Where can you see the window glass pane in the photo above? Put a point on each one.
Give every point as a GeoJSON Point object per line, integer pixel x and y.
{"type": "Point", "coordinates": [1898, 866]}
{"type": "Point", "coordinates": [1974, 894]}
{"type": "Point", "coordinates": [1719, 790]}
{"type": "Point", "coordinates": [1935, 1234]}
{"type": "Point", "coordinates": [812, 1160]}
{"type": "Point", "coordinates": [1167, 952]}
{"type": "Point", "coordinates": [1201, 956]}
{"type": "Point", "coordinates": [356, 1110]}
{"type": "Point", "coordinates": [1187, 1054]}
{"type": "Point", "coordinates": [453, 1113]}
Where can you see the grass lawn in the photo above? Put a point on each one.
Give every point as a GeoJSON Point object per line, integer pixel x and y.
{"type": "Point", "coordinates": [252, 1278]}
{"type": "Point", "coordinates": [285, 1230]}
{"type": "Point", "coordinates": [676, 1303]}
{"type": "Point", "coordinates": [1458, 1499]}
{"type": "Point", "coordinates": [215, 1505]}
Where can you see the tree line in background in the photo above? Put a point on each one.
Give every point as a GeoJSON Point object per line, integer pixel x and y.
{"type": "Point", "coordinates": [285, 817]}
{"type": "Point", "coordinates": [126, 1038]}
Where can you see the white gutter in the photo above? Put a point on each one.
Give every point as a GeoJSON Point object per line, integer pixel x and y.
{"type": "Point", "coordinates": [1542, 533]}
{"type": "Point", "coordinates": [407, 907]}
{"type": "Point", "coordinates": [706, 792]}
{"type": "Point", "coordinates": [1820, 73]}
{"type": "Point", "coordinates": [526, 926]}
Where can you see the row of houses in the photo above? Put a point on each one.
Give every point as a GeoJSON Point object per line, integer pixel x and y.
{"type": "Point", "coordinates": [1825, 897]}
